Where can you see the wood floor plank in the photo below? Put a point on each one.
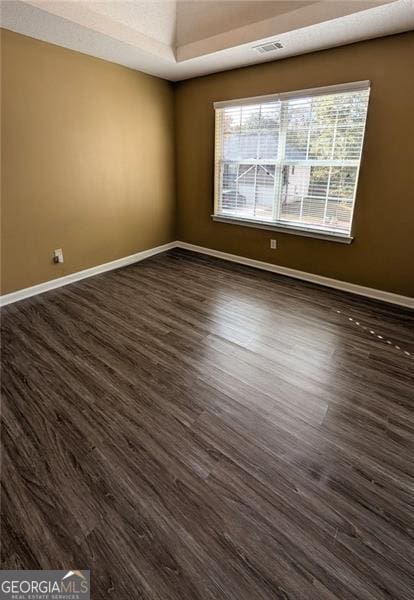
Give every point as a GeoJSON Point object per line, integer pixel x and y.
{"type": "Point", "coordinates": [189, 428]}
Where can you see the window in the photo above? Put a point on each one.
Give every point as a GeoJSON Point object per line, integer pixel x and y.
{"type": "Point", "coordinates": [291, 160]}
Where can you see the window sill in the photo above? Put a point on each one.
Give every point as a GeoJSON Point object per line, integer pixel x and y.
{"type": "Point", "coordinates": [342, 238]}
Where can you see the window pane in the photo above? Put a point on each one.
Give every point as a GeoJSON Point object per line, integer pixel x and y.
{"type": "Point", "coordinates": [298, 118]}
{"type": "Point", "coordinates": [319, 196]}
{"type": "Point", "coordinates": [320, 142]}
{"type": "Point", "coordinates": [269, 131]}
{"type": "Point", "coordinates": [240, 146]}
{"type": "Point", "coordinates": [251, 132]}
{"type": "Point", "coordinates": [231, 119]}
{"type": "Point", "coordinates": [248, 190]}
{"type": "Point", "coordinates": [250, 138]}
{"type": "Point", "coordinates": [348, 143]}
{"type": "Point", "coordinates": [250, 117]}
{"type": "Point", "coordinates": [268, 145]}
{"type": "Point", "coordinates": [238, 189]}
{"type": "Point", "coordinates": [265, 191]}
{"type": "Point", "coordinates": [342, 182]}
{"type": "Point", "coordinates": [325, 127]}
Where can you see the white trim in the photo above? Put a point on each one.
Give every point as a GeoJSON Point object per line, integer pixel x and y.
{"type": "Point", "coordinates": [245, 101]}
{"type": "Point", "coordinates": [291, 228]}
{"type": "Point", "coordinates": [61, 281]}
{"type": "Point", "coordinates": [355, 86]}
{"type": "Point", "coordinates": [341, 88]}
{"type": "Point", "coordinates": [344, 286]}
{"type": "Point", "coordinates": [258, 264]}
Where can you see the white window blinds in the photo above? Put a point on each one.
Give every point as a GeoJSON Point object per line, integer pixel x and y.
{"type": "Point", "coordinates": [291, 159]}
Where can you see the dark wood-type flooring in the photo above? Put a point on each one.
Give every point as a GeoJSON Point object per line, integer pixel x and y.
{"type": "Point", "coordinates": [188, 428]}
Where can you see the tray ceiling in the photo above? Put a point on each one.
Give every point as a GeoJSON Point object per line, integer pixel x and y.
{"type": "Point", "coordinates": [178, 40]}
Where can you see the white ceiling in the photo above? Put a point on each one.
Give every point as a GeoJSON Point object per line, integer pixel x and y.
{"type": "Point", "coordinates": [187, 38]}
{"type": "Point", "coordinates": [156, 19]}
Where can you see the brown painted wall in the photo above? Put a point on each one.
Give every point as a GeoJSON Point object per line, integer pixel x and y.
{"type": "Point", "coordinates": [87, 161]}
{"type": "Point", "coordinates": [382, 254]}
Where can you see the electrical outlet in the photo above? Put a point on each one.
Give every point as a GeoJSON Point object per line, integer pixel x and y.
{"type": "Point", "coordinates": [273, 244]}
{"type": "Point", "coordinates": [58, 256]}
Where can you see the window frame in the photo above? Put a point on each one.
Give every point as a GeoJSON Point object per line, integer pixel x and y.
{"type": "Point", "coordinates": [292, 227]}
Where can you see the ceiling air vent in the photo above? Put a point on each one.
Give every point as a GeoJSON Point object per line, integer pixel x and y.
{"type": "Point", "coordinates": [268, 47]}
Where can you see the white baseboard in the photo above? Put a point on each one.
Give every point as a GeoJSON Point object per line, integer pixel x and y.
{"type": "Point", "coordinates": [61, 281]}
{"type": "Point", "coordinates": [319, 279]}
{"type": "Point", "coordinates": [258, 264]}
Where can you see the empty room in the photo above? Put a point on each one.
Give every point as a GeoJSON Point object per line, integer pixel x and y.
{"type": "Point", "coordinates": [207, 300]}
